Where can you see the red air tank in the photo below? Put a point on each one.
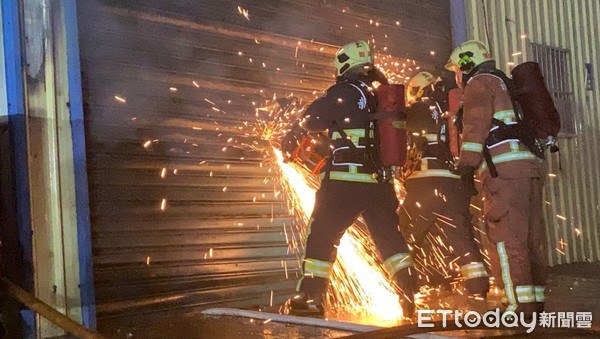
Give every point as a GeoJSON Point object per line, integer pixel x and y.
{"type": "Point", "coordinates": [392, 124]}
{"type": "Point", "coordinates": [539, 111]}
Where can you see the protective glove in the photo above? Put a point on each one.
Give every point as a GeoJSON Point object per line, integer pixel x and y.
{"type": "Point", "coordinates": [467, 176]}
{"type": "Point", "coordinates": [462, 170]}
{"type": "Point", "coordinates": [291, 141]}
{"type": "Point", "coordinates": [288, 148]}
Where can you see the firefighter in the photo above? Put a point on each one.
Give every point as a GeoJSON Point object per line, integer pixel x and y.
{"type": "Point", "coordinates": [435, 212]}
{"type": "Point", "coordinates": [352, 183]}
{"type": "Point", "coordinates": [510, 175]}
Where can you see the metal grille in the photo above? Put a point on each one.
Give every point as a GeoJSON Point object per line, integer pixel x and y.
{"type": "Point", "coordinates": [554, 63]}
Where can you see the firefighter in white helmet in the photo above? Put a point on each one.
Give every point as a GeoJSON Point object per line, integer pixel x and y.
{"type": "Point", "coordinates": [437, 201]}
{"type": "Point", "coordinates": [350, 183]}
{"type": "Point", "coordinates": [510, 174]}
{"type": "Point", "coordinates": [418, 84]}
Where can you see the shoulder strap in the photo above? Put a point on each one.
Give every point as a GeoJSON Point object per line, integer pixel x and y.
{"type": "Point", "coordinates": [443, 136]}
{"type": "Point", "coordinates": [368, 96]}
{"type": "Point", "coordinates": [344, 136]}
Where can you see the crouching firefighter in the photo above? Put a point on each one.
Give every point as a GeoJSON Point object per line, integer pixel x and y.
{"type": "Point", "coordinates": [354, 182]}
{"type": "Point", "coordinates": [435, 214]}
{"type": "Point", "coordinates": [506, 156]}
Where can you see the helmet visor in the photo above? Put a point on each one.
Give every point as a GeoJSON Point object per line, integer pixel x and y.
{"type": "Point", "coordinates": [414, 91]}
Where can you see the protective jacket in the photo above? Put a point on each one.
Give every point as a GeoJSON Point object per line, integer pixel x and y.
{"type": "Point", "coordinates": [344, 111]}
{"type": "Point", "coordinates": [486, 97]}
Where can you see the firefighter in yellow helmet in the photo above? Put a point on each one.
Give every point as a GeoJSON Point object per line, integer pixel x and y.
{"type": "Point", "coordinates": [352, 182]}
{"type": "Point", "coordinates": [437, 203]}
{"type": "Point", "coordinates": [498, 147]}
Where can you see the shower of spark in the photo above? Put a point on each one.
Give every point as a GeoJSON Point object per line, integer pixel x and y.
{"type": "Point", "coordinates": [273, 118]}
{"type": "Point", "coordinates": [244, 12]}
{"type": "Point", "coordinates": [359, 284]}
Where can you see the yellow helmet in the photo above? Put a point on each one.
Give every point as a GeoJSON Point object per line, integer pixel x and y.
{"type": "Point", "coordinates": [417, 85]}
{"type": "Point", "coordinates": [353, 54]}
{"type": "Point", "coordinates": [468, 55]}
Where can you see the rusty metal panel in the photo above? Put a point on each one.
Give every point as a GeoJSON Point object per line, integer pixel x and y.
{"type": "Point", "coordinates": [184, 212]}
{"type": "Point", "coordinates": [513, 28]}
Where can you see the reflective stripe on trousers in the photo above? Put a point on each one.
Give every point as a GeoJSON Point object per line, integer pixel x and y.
{"type": "Point", "coordinates": [397, 262]}
{"type": "Point", "coordinates": [506, 279]}
{"type": "Point", "coordinates": [540, 295]}
{"type": "Point", "coordinates": [473, 270]}
{"type": "Point", "coordinates": [524, 293]}
{"type": "Point", "coordinates": [530, 294]}
{"type": "Point", "coordinates": [317, 268]}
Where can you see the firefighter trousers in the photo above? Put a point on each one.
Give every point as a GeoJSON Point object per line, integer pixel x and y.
{"type": "Point", "coordinates": [436, 221]}
{"type": "Point", "coordinates": [337, 206]}
{"type": "Point", "coordinates": [513, 212]}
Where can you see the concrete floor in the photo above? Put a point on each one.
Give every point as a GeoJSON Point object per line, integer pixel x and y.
{"type": "Point", "coordinates": [200, 326]}
{"type": "Point", "coordinates": [573, 287]}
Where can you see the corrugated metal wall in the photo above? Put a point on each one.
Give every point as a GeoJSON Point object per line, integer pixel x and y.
{"type": "Point", "coordinates": [573, 188]}
{"type": "Point", "coordinates": [183, 213]}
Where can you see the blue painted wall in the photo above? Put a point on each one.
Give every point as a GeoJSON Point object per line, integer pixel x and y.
{"type": "Point", "coordinates": [458, 16]}
{"type": "Point", "coordinates": [13, 60]}
{"type": "Point", "coordinates": [18, 143]}
{"type": "Point", "coordinates": [79, 159]}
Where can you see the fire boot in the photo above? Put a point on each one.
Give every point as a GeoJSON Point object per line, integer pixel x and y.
{"type": "Point", "coordinates": [407, 283]}
{"type": "Point", "coordinates": [471, 303]}
{"type": "Point", "coordinates": [305, 304]}
{"type": "Point", "coordinates": [478, 287]}
{"type": "Point", "coordinates": [310, 298]}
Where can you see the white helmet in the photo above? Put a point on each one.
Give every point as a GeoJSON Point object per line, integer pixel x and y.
{"type": "Point", "coordinates": [417, 85]}
{"type": "Point", "coordinates": [467, 56]}
{"type": "Point", "coordinates": [351, 55]}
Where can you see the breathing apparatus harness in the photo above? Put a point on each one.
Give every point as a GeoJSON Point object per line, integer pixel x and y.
{"type": "Point", "coordinates": [369, 155]}
{"type": "Point", "coordinates": [520, 130]}
{"type": "Point", "coordinates": [421, 147]}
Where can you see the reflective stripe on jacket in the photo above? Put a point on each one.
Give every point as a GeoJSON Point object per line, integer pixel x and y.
{"type": "Point", "coordinates": [345, 106]}
{"type": "Point", "coordinates": [423, 126]}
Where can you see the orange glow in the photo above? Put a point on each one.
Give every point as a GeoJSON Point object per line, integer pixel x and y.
{"type": "Point", "coordinates": [359, 285]}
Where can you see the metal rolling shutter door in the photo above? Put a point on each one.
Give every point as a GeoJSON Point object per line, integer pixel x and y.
{"type": "Point", "coordinates": [220, 239]}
